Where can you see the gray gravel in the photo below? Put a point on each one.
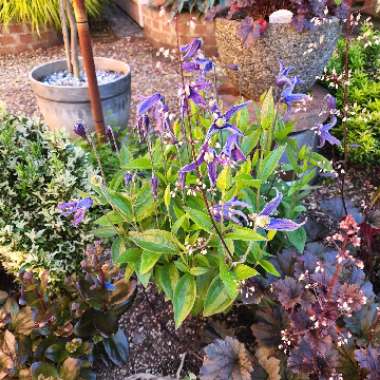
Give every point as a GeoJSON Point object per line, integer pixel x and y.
{"type": "Point", "coordinates": [150, 73]}
{"type": "Point", "coordinates": [64, 78]}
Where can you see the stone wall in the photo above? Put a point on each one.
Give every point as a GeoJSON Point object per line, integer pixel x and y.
{"type": "Point", "coordinates": [160, 29]}
{"type": "Point", "coordinates": [15, 38]}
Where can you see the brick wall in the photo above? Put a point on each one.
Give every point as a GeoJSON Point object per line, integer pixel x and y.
{"type": "Point", "coordinates": [160, 29]}
{"type": "Point", "coordinates": [15, 38]}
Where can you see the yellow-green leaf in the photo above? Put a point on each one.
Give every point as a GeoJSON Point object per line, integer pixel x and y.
{"type": "Point", "coordinates": [184, 298]}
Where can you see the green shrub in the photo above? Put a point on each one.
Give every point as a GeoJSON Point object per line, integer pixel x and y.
{"type": "Point", "coordinates": [363, 121]}
{"type": "Point", "coordinates": [38, 171]}
{"type": "Point", "coordinates": [39, 12]}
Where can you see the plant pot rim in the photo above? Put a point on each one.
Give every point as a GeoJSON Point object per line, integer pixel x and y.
{"type": "Point", "coordinates": [65, 93]}
{"type": "Point", "coordinates": [33, 74]}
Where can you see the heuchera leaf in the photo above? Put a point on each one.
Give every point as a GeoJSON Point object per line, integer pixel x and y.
{"type": "Point", "coordinates": [226, 360]}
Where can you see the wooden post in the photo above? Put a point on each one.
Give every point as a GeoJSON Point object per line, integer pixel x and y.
{"type": "Point", "coordinates": [89, 66]}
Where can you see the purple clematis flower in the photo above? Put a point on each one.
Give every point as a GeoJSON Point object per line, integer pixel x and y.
{"type": "Point", "coordinates": [227, 211]}
{"type": "Point", "coordinates": [206, 155]}
{"type": "Point", "coordinates": [191, 49]}
{"type": "Point", "coordinates": [323, 131]}
{"type": "Point", "coordinates": [282, 78]}
{"type": "Point", "coordinates": [154, 104]}
{"type": "Point", "coordinates": [76, 209]}
{"type": "Point", "coordinates": [232, 149]}
{"type": "Point", "coordinates": [221, 121]}
{"type": "Point", "coordinates": [265, 221]}
{"type": "Point", "coordinates": [191, 92]}
{"type": "Point", "coordinates": [128, 176]}
{"type": "Point", "coordinates": [201, 64]}
{"type": "Point", "coordinates": [290, 98]}
{"type": "Point", "coordinates": [149, 102]}
{"type": "Point", "coordinates": [80, 129]}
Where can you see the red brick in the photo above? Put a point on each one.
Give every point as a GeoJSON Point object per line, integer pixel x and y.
{"type": "Point", "coordinates": [163, 34]}
{"type": "Point", "coordinates": [7, 39]}
{"type": "Point", "coordinates": [17, 28]}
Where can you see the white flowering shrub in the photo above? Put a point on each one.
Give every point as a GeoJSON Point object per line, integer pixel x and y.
{"type": "Point", "coordinates": [38, 171]}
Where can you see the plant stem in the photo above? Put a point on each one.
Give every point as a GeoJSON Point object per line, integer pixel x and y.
{"type": "Point", "coordinates": [74, 40]}
{"type": "Point", "coordinates": [65, 34]}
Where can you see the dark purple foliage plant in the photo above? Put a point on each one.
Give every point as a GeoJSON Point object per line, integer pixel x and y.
{"type": "Point", "coordinates": [319, 321]}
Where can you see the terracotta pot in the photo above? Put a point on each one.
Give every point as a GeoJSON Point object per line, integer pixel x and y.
{"type": "Point", "coordinates": [62, 106]}
{"type": "Point", "coordinates": [307, 52]}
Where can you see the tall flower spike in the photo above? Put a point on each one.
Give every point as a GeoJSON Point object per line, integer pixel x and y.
{"type": "Point", "coordinates": [265, 221]}
{"type": "Point", "coordinates": [323, 131]}
{"type": "Point", "coordinates": [76, 209]}
{"type": "Point", "coordinates": [221, 121]}
{"type": "Point", "coordinates": [228, 212]}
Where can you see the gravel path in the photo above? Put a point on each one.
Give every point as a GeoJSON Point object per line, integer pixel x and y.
{"type": "Point", "coordinates": [149, 72]}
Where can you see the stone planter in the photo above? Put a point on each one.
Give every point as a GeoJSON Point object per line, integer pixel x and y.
{"type": "Point", "coordinates": [62, 106]}
{"type": "Point", "coordinates": [306, 52]}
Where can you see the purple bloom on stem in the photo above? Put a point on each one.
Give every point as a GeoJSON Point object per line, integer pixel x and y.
{"type": "Point", "coordinates": [80, 129]}
{"type": "Point", "coordinates": [282, 78]}
{"type": "Point", "coordinates": [206, 155]}
{"type": "Point", "coordinates": [290, 98]}
{"type": "Point", "coordinates": [148, 103]}
{"type": "Point", "coordinates": [127, 178]}
{"type": "Point", "coordinates": [221, 121]}
{"type": "Point", "coordinates": [323, 131]}
{"type": "Point", "coordinates": [143, 125]}
{"type": "Point", "coordinates": [265, 221]}
{"type": "Point", "coordinates": [232, 148]}
{"type": "Point", "coordinates": [76, 209]}
{"type": "Point", "coordinates": [198, 64]}
{"type": "Point", "coordinates": [228, 212]}
{"type": "Point", "coordinates": [154, 183]}
{"type": "Point", "coordinates": [189, 50]}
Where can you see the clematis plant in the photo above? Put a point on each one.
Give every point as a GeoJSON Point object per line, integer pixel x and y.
{"type": "Point", "coordinates": [201, 205]}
